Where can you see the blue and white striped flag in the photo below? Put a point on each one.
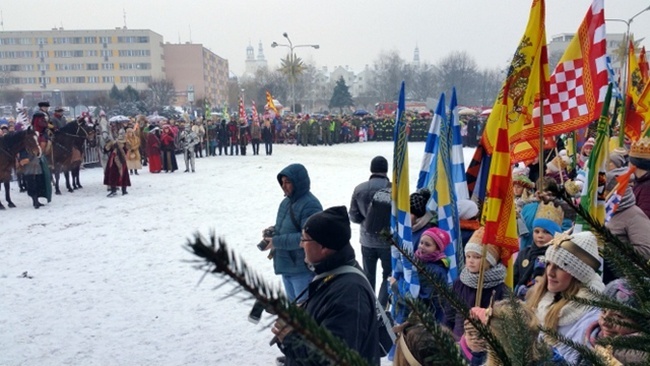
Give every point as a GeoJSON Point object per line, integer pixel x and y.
{"type": "Point", "coordinates": [611, 75]}
{"type": "Point", "coordinates": [457, 158]}
{"type": "Point", "coordinates": [443, 197]}
{"type": "Point", "coordinates": [401, 206]}
{"type": "Point", "coordinates": [431, 145]}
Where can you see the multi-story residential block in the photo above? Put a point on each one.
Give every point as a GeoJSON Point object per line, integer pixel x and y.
{"type": "Point", "coordinates": [86, 61]}
{"type": "Point", "coordinates": [192, 67]}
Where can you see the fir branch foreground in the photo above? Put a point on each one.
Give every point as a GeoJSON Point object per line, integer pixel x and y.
{"type": "Point", "coordinates": [217, 259]}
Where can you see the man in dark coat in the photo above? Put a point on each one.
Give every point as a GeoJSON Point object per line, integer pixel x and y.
{"type": "Point", "coordinates": [342, 303]}
{"type": "Point", "coordinates": [373, 247]}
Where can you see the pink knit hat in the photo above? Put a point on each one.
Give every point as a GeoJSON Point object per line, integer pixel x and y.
{"type": "Point", "coordinates": [439, 236]}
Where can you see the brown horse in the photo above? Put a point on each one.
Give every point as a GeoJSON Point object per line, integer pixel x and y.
{"type": "Point", "coordinates": [10, 145]}
{"type": "Point", "coordinates": [71, 137]}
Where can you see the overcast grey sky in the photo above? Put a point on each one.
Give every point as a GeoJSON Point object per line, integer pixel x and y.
{"type": "Point", "coordinates": [349, 32]}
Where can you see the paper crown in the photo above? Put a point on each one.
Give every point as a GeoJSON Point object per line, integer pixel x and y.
{"type": "Point", "coordinates": [550, 211]}
{"type": "Point", "coordinates": [641, 148]}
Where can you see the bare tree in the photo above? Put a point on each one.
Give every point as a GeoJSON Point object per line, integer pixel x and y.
{"type": "Point", "coordinates": [424, 82]}
{"type": "Point", "coordinates": [389, 72]}
{"type": "Point", "coordinates": [459, 70]}
{"type": "Point", "coordinates": [163, 92]}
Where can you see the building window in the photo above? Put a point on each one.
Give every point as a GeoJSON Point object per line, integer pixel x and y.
{"type": "Point", "coordinates": [92, 66]}
{"type": "Point", "coordinates": [107, 53]}
{"type": "Point", "coordinates": [108, 66]}
{"type": "Point", "coordinates": [41, 54]}
{"type": "Point", "coordinates": [105, 40]}
{"type": "Point", "coordinates": [108, 79]}
{"type": "Point", "coordinates": [90, 40]}
{"type": "Point", "coordinates": [93, 79]}
{"type": "Point", "coordinates": [92, 53]}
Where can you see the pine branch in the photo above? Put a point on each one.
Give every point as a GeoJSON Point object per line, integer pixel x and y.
{"type": "Point", "coordinates": [587, 355]}
{"type": "Point", "coordinates": [219, 260]}
{"type": "Point", "coordinates": [444, 349]}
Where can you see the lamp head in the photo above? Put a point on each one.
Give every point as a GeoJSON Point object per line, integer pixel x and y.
{"type": "Point", "coordinates": [285, 35]}
{"type": "Point", "coordinates": [274, 44]}
{"type": "Point", "coordinates": [316, 46]}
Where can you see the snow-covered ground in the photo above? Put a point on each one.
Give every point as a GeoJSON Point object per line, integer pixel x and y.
{"type": "Point", "coordinates": [90, 280]}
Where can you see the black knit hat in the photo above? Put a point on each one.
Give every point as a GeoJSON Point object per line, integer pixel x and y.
{"type": "Point", "coordinates": [379, 165]}
{"type": "Point", "coordinates": [330, 228]}
{"type": "Point", "coordinates": [44, 104]}
{"type": "Point", "coordinates": [419, 201]}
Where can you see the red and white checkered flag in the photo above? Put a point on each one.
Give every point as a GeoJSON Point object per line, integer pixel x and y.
{"type": "Point", "coordinates": [578, 85]}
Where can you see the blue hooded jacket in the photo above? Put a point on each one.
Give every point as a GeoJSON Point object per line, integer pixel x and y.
{"type": "Point", "coordinates": [289, 256]}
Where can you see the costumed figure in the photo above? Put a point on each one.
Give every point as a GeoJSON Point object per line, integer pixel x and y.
{"type": "Point", "coordinates": [116, 173]}
{"type": "Point", "coordinates": [133, 159]}
{"type": "Point", "coordinates": [153, 150]}
{"type": "Point", "coordinates": [104, 137]}
{"type": "Point", "coordinates": [189, 139]}
{"type": "Point", "coordinates": [168, 150]}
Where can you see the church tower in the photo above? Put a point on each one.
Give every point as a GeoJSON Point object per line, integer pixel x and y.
{"type": "Point", "coordinates": [416, 56]}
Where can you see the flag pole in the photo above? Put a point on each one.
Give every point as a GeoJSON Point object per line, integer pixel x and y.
{"type": "Point", "coordinates": [541, 158]}
{"type": "Point", "coordinates": [481, 277]}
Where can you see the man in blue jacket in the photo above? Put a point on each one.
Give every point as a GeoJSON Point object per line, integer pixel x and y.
{"type": "Point", "coordinates": [296, 207]}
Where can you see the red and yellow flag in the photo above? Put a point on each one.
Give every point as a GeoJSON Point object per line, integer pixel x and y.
{"type": "Point", "coordinates": [643, 65]}
{"type": "Point", "coordinates": [511, 114]}
{"type": "Point", "coordinates": [270, 104]}
{"type": "Point", "coordinates": [635, 86]}
{"type": "Point", "coordinates": [527, 77]}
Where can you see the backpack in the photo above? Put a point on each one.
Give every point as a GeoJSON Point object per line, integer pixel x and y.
{"type": "Point", "coordinates": [379, 212]}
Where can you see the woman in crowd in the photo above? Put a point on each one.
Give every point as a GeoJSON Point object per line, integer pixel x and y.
{"type": "Point", "coordinates": [168, 149]}
{"type": "Point", "coordinates": [572, 261]}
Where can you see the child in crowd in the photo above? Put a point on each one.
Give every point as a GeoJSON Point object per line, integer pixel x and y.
{"type": "Point", "coordinates": [530, 261]}
{"type": "Point", "coordinates": [620, 291]}
{"type": "Point", "coordinates": [572, 262]}
{"type": "Point", "coordinates": [467, 283]}
{"type": "Point", "coordinates": [431, 252]}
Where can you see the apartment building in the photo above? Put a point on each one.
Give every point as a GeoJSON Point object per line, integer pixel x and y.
{"type": "Point", "coordinates": [195, 69]}
{"type": "Point", "coordinates": [43, 63]}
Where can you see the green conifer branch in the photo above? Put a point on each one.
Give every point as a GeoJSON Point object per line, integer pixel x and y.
{"type": "Point", "coordinates": [219, 260]}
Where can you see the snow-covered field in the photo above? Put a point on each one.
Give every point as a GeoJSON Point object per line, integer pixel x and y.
{"type": "Point", "coordinates": [90, 280]}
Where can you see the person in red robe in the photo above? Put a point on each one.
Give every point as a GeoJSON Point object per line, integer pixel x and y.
{"type": "Point", "coordinates": [153, 150]}
{"type": "Point", "coordinates": [168, 147]}
{"type": "Point", "coordinates": [117, 173]}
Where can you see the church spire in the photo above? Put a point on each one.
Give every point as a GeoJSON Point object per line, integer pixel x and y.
{"type": "Point", "coordinates": [260, 52]}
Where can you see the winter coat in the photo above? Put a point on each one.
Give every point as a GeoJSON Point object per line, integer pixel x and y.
{"type": "Point", "coordinates": [361, 198]}
{"type": "Point", "coordinates": [632, 225]}
{"type": "Point", "coordinates": [289, 257]}
{"type": "Point", "coordinates": [267, 133]}
{"type": "Point", "coordinates": [573, 324]}
{"type": "Point", "coordinates": [256, 132]}
{"type": "Point", "coordinates": [642, 193]}
{"type": "Point", "coordinates": [344, 305]}
{"type": "Point", "coordinates": [467, 294]}
{"type": "Point", "coordinates": [530, 263]}
{"type": "Point", "coordinates": [233, 133]}
{"type": "Point", "coordinates": [222, 133]}
{"type": "Point", "coordinates": [428, 292]}
{"type": "Point", "coordinates": [133, 158]}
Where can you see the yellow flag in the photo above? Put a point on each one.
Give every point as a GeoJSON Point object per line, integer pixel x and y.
{"type": "Point", "coordinates": [527, 75]}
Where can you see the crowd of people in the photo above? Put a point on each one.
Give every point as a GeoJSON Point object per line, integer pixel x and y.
{"type": "Point", "coordinates": [555, 264]}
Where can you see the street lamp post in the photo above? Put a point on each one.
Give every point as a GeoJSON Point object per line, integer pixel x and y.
{"type": "Point", "coordinates": [626, 60]}
{"type": "Point", "coordinates": [292, 60]}
{"type": "Point", "coordinates": [626, 41]}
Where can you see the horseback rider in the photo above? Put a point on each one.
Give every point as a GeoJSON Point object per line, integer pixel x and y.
{"type": "Point", "coordinates": [58, 120]}
{"type": "Point", "coordinates": [40, 122]}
